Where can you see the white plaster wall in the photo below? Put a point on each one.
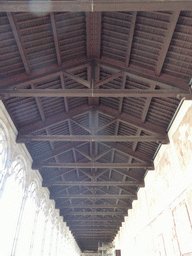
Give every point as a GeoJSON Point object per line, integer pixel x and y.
{"type": "Point", "coordinates": [160, 221]}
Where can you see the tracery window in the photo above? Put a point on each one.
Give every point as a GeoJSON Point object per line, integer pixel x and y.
{"type": "Point", "coordinates": [54, 237]}
{"type": "Point", "coordinates": [27, 222]}
{"type": "Point", "coordinates": [39, 231]}
{"type": "Point", "coordinates": [27, 227]}
{"type": "Point", "coordinates": [3, 150]}
{"type": "Point", "coordinates": [48, 236]}
{"type": "Point", "coordinates": [10, 204]}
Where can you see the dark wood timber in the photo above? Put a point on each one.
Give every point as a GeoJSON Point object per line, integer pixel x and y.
{"type": "Point", "coordinates": [89, 138]}
{"type": "Point", "coordinates": [103, 196]}
{"type": "Point", "coordinates": [92, 88]}
{"type": "Point", "coordinates": [95, 206]}
{"type": "Point", "coordinates": [167, 41]}
{"type": "Point", "coordinates": [94, 183]}
{"type": "Point", "coordinates": [18, 41]}
{"type": "Point", "coordinates": [92, 165]}
{"type": "Point", "coordinates": [93, 93]}
{"type": "Point", "coordinates": [96, 213]}
{"type": "Point", "coordinates": [87, 6]}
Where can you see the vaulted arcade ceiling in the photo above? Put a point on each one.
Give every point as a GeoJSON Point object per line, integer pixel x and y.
{"type": "Point", "coordinates": [92, 88]}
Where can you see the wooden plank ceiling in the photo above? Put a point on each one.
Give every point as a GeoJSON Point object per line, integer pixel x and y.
{"type": "Point", "coordinates": [92, 95]}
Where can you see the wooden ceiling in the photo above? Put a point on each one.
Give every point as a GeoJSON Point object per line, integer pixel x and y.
{"type": "Point", "coordinates": [92, 95]}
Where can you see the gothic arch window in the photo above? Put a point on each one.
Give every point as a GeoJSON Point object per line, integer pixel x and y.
{"type": "Point", "coordinates": [54, 237]}
{"type": "Point", "coordinates": [3, 150]}
{"type": "Point", "coordinates": [40, 227]}
{"type": "Point", "coordinates": [27, 221]}
{"type": "Point", "coordinates": [48, 236]}
{"type": "Point", "coordinates": [10, 205]}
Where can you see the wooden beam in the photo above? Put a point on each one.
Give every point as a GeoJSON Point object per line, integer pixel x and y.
{"type": "Point", "coordinates": [43, 74]}
{"type": "Point", "coordinates": [93, 183]}
{"type": "Point", "coordinates": [56, 41]}
{"type": "Point", "coordinates": [121, 99]}
{"type": "Point", "coordinates": [92, 165]}
{"type": "Point", "coordinates": [53, 120]}
{"type": "Point", "coordinates": [143, 75]}
{"type": "Point", "coordinates": [93, 34]}
{"type": "Point", "coordinates": [94, 232]}
{"type": "Point", "coordinates": [97, 213]}
{"type": "Point", "coordinates": [132, 121]}
{"type": "Point", "coordinates": [96, 219]}
{"type": "Point", "coordinates": [18, 40]}
{"type": "Point", "coordinates": [58, 151]}
{"type": "Point", "coordinates": [108, 79]}
{"type": "Point", "coordinates": [97, 196]}
{"type": "Point", "coordinates": [93, 6]}
{"type": "Point", "coordinates": [96, 206]}
{"type": "Point", "coordinates": [77, 79]}
{"type": "Point", "coordinates": [167, 41]}
{"type": "Point", "coordinates": [127, 151]}
{"type": "Point", "coordinates": [39, 105]}
{"type": "Point", "coordinates": [96, 229]}
{"type": "Point", "coordinates": [115, 93]}
{"type": "Point", "coordinates": [130, 39]}
{"type": "Point", "coordinates": [92, 138]}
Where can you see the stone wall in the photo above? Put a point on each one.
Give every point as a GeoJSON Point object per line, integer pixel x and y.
{"type": "Point", "coordinates": [160, 221]}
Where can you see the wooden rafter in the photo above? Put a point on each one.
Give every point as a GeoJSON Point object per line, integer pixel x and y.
{"type": "Point", "coordinates": [169, 34]}
{"type": "Point", "coordinates": [21, 48]}
{"type": "Point", "coordinates": [132, 121]}
{"type": "Point", "coordinates": [53, 120]}
{"type": "Point", "coordinates": [55, 36]}
{"type": "Point", "coordinates": [45, 73]}
{"type": "Point", "coordinates": [56, 152]}
{"type": "Point", "coordinates": [143, 75]}
{"type": "Point", "coordinates": [108, 79]}
{"type": "Point", "coordinates": [130, 40]}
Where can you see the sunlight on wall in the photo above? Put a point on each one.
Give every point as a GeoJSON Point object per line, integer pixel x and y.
{"type": "Point", "coordinates": [160, 221]}
{"type": "Point", "coordinates": [30, 224]}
